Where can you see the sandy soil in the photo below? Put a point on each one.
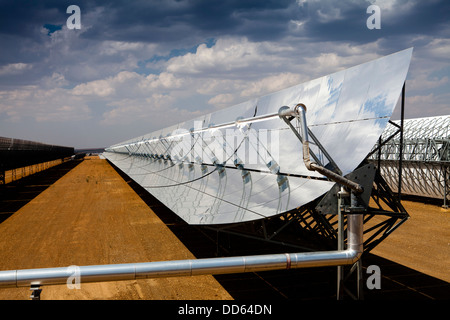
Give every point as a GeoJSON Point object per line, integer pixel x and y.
{"type": "Point", "coordinates": [421, 243]}
{"type": "Point", "coordinates": [89, 217]}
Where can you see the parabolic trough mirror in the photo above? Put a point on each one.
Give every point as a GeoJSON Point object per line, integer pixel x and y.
{"type": "Point", "coordinates": [244, 163]}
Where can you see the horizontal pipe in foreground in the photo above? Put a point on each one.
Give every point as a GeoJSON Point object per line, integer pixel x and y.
{"type": "Point", "coordinates": [210, 266]}
{"type": "Point", "coordinates": [180, 268]}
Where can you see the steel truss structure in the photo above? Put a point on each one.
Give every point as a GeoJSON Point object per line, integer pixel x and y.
{"type": "Point", "coordinates": [309, 228]}
{"type": "Point", "coordinates": [424, 153]}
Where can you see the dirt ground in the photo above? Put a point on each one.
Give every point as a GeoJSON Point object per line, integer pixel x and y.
{"type": "Point", "coordinates": [421, 243]}
{"type": "Point", "coordinates": [89, 217]}
{"type": "Point", "coordinates": [92, 216]}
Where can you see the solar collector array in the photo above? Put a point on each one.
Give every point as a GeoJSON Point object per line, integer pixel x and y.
{"type": "Point", "coordinates": [17, 153]}
{"type": "Point", "coordinates": [216, 169]}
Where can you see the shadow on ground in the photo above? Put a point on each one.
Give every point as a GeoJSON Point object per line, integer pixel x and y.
{"type": "Point", "coordinates": [16, 194]}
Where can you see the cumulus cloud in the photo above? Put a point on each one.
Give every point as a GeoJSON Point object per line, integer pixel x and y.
{"type": "Point", "coordinates": [42, 105]}
{"type": "Point", "coordinates": [419, 106]}
{"type": "Point", "coordinates": [271, 84]}
{"type": "Point", "coordinates": [14, 68]}
{"type": "Point", "coordinates": [228, 57]}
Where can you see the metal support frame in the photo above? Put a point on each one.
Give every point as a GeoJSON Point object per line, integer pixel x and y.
{"type": "Point", "coordinates": [35, 292]}
{"type": "Point", "coordinates": [340, 244]}
{"type": "Point", "coordinates": [343, 207]}
{"type": "Point", "coordinates": [417, 161]}
{"type": "Point", "coordinates": [269, 230]}
{"type": "Point", "coordinates": [401, 144]}
{"type": "Point", "coordinates": [445, 170]}
{"type": "Point", "coordinates": [288, 118]}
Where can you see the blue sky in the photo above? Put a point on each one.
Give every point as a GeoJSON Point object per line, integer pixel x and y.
{"type": "Point", "coordinates": [137, 66]}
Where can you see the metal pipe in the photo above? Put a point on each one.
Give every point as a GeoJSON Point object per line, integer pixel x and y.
{"type": "Point", "coordinates": [300, 110]}
{"type": "Point", "coordinates": [238, 122]}
{"type": "Point", "coordinates": [444, 168]}
{"type": "Point", "coordinates": [337, 178]}
{"type": "Point", "coordinates": [340, 269]}
{"type": "Point", "coordinates": [402, 118]}
{"type": "Point", "coordinates": [211, 266]}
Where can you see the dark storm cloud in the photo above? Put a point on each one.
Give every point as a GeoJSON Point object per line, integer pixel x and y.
{"type": "Point", "coordinates": [346, 21]}
{"type": "Point", "coordinates": [24, 18]}
{"type": "Point", "coordinates": [425, 17]}
{"type": "Point", "coordinates": [21, 25]}
{"type": "Point", "coordinates": [155, 21]}
{"type": "Point", "coordinates": [169, 21]}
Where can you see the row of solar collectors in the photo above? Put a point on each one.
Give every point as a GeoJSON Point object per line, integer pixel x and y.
{"type": "Point", "coordinates": [17, 153]}
{"type": "Point", "coordinates": [20, 144]}
{"type": "Point", "coordinates": [210, 168]}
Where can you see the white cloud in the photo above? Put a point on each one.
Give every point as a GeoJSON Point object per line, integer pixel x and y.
{"type": "Point", "coordinates": [164, 80]}
{"type": "Point", "coordinates": [14, 68]}
{"type": "Point", "coordinates": [336, 57]}
{"type": "Point", "coordinates": [130, 110]}
{"type": "Point", "coordinates": [271, 84]}
{"type": "Point", "coordinates": [43, 105]}
{"type": "Point", "coordinates": [56, 80]}
{"type": "Point", "coordinates": [111, 48]}
{"type": "Point", "coordinates": [222, 100]}
{"type": "Point", "coordinates": [331, 14]}
{"type": "Point", "coordinates": [128, 84]}
{"type": "Point", "coordinates": [230, 58]}
{"type": "Point", "coordinates": [418, 106]}
{"type": "Point", "coordinates": [100, 88]}
{"type": "Point", "coordinates": [238, 91]}
{"type": "Point", "coordinates": [439, 49]}
{"type": "Point", "coordinates": [423, 81]}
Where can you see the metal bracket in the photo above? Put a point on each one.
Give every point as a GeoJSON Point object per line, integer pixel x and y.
{"type": "Point", "coordinates": [332, 164]}
{"type": "Point", "coordinates": [364, 176]}
{"type": "Point", "coordinates": [36, 292]}
{"type": "Point", "coordinates": [354, 207]}
{"type": "Point", "coordinates": [350, 209]}
{"type": "Point", "coordinates": [343, 279]}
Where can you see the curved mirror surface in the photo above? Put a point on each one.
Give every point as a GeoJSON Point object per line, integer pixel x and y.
{"type": "Point", "coordinates": [245, 163]}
